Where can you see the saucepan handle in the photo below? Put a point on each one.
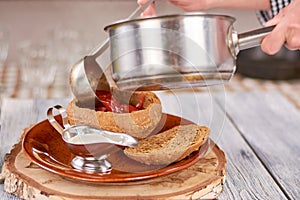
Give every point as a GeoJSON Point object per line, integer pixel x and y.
{"type": "Point", "coordinates": [52, 120]}
{"type": "Point", "coordinates": [253, 38]}
{"type": "Point", "coordinates": [250, 39]}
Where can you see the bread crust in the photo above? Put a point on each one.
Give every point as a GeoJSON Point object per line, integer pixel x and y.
{"type": "Point", "coordinates": [169, 146]}
{"type": "Point", "coordinates": [138, 124]}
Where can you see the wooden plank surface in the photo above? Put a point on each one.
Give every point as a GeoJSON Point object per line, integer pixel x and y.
{"type": "Point", "coordinates": [268, 121]}
{"type": "Point", "coordinates": [18, 114]}
{"type": "Point", "coordinates": [270, 124]}
{"type": "Point", "coordinates": [247, 177]}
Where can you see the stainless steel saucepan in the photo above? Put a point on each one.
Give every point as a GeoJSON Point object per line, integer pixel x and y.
{"type": "Point", "coordinates": [177, 51]}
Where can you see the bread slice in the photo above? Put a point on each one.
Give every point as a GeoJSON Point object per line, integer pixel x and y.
{"type": "Point", "coordinates": [169, 146]}
{"type": "Point", "coordinates": [138, 124]}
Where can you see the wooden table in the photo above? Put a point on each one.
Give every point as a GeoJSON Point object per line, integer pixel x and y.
{"type": "Point", "coordinates": [259, 133]}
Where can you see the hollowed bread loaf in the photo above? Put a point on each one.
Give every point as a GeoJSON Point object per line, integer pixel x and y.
{"type": "Point", "coordinates": [138, 124]}
{"type": "Point", "coordinates": [169, 146]}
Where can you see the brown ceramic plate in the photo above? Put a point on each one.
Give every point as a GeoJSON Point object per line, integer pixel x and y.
{"type": "Point", "coordinates": [44, 146]}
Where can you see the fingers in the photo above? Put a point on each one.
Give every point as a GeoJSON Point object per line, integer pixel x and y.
{"type": "Point", "coordinates": [282, 34]}
{"type": "Point", "coordinates": [275, 20]}
{"type": "Point", "coordinates": [273, 42]}
{"type": "Point", "coordinates": [148, 12]}
{"type": "Point", "coordinates": [286, 32]}
{"type": "Point", "coordinates": [293, 39]}
{"type": "Point", "coordinates": [141, 2]}
{"type": "Point", "coordinates": [191, 5]}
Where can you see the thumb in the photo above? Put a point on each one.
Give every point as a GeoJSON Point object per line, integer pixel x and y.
{"type": "Point", "coordinates": [273, 42]}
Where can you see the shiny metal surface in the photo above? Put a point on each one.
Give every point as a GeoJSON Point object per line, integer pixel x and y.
{"type": "Point", "coordinates": [252, 38]}
{"type": "Point", "coordinates": [87, 76]}
{"type": "Point", "coordinates": [92, 165]}
{"type": "Point", "coordinates": [91, 146]}
{"type": "Point", "coordinates": [172, 52]}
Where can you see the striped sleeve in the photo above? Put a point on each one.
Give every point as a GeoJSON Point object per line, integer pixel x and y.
{"type": "Point", "coordinates": [276, 5]}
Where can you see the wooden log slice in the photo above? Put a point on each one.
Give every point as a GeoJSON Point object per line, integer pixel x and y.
{"type": "Point", "coordinates": [204, 180]}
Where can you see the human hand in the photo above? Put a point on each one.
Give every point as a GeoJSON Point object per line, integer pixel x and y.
{"type": "Point", "coordinates": [187, 5]}
{"type": "Point", "coordinates": [150, 11]}
{"type": "Point", "coordinates": [192, 5]}
{"type": "Point", "coordinates": [286, 32]}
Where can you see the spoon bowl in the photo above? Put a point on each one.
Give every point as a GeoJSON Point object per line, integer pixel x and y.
{"type": "Point", "coordinates": [87, 76]}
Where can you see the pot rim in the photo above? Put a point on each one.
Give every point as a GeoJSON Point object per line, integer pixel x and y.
{"type": "Point", "coordinates": [175, 16]}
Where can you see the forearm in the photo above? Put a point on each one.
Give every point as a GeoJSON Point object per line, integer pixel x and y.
{"type": "Point", "coordinates": [197, 5]}
{"type": "Point", "coordinates": [239, 4]}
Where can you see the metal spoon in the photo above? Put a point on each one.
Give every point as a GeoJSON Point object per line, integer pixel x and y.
{"type": "Point", "coordinates": [87, 76]}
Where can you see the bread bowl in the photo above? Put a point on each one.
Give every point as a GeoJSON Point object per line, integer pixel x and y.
{"type": "Point", "coordinates": [170, 145]}
{"type": "Point", "coordinates": [138, 124]}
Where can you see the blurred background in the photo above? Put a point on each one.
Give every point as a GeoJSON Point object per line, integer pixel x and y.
{"type": "Point", "coordinates": [37, 36]}
{"type": "Point", "coordinates": [68, 30]}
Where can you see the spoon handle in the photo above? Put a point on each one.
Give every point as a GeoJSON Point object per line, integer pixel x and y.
{"type": "Point", "coordinates": [105, 44]}
{"type": "Point", "coordinates": [139, 10]}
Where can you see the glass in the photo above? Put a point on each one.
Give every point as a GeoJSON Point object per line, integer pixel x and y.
{"type": "Point", "coordinates": [71, 45]}
{"type": "Point", "coordinates": [65, 41]}
{"type": "Point", "coordinates": [4, 43]}
{"type": "Point", "coordinates": [37, 67]}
